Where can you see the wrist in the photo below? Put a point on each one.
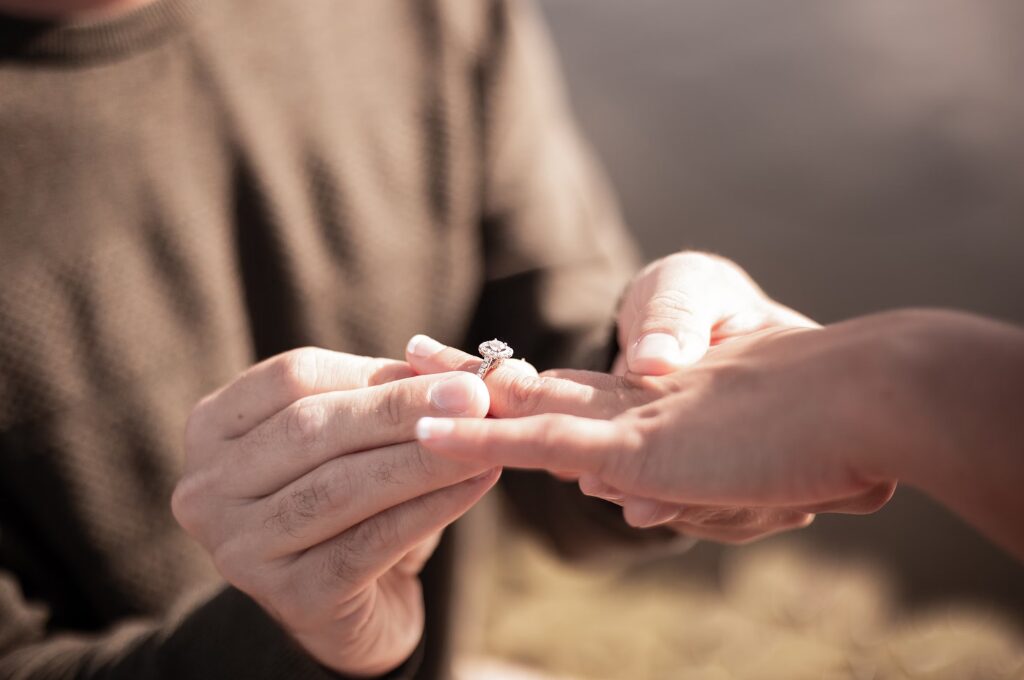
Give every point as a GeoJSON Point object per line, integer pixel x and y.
{"type": "Point", "coordinates": [897, 425]}
{"type": "Point", "coordinates": [944, 395]}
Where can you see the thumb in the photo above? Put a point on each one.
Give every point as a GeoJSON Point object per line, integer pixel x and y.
{"type": "Point", "coordinates": [669, 331]}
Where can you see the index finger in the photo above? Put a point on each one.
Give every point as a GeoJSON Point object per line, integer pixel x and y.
{"type": "Point", "coordinates": [545, 442]}
{"type": "Point", "coordinates": [271, 385]}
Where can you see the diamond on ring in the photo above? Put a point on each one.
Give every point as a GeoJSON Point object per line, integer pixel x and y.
{"type": "Point", "coordinates": [492, 351]}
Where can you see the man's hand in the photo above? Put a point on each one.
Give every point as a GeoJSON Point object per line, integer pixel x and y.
{"type": "Point", "coordinates": [680, 305]}
{"type": "Point", "coordinates": [305, 483]}
{"type": "Point", "coordinates": [750, 441]}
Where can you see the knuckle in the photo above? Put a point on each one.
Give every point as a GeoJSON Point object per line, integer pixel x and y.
{"type": "Point", "coordinates": [391, 409]}
{"type": "Point", "coordinates": [384, 472]}
{"type": "Point", "coordinates": [382, 371]}
{"type": "Point", "coordinates": [293, 510]}
{"type": "Point", "coordinates": [526, 393]}
{"type": "Point", "coordinates": [298, 371]}
{"type": "Point", "coordinates": [190, 504]}
{"type": "Point", "coordinates": [343, 563]}
{"type": "Point", "coordinates": [347, 558]}
{"type": "Point", "coordinates": [424, 462]}
{"type": "Point", "coordinates": [377, 533]}
{"type": "Point", "coordinates": [234, 563]}
{"type": "Point", "coordinates": [336, 485]}
{"type": "Point", "coordinates": [669, 304]}
{"type": "Point", "coordinates": [630, 462]}
{"type": "Point", "coordinates": [549, 432]}
{"type": "Point", "coordinates": [304, 423]}
{"type": "Point", "coordinates": [183, 506]}
{"type": "Point", "coordinates": [281, 518]}
{"type": "Point", "coordinates": [198, 427]}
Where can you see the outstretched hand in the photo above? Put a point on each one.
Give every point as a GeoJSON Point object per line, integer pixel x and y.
{"type": "Point", "coordinates": [672, 312]}
{"type": "Point", "coordinates": [752, 440]}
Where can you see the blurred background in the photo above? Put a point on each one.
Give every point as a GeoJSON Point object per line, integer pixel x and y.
{"type": "Point", "coordinates": [852, 156]}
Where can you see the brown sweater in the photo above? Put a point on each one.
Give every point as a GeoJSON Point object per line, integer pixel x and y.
{"type": "Point", "coordinates": [197, 185]}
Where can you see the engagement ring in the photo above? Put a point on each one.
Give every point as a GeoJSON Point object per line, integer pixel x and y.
{"type": "Point", "coordinates": [492, 351]}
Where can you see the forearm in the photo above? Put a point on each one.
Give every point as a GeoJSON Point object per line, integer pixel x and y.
{"type": "Point", "coordinates": [959, 422]}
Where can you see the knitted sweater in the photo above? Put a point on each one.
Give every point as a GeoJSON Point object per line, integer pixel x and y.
{"type": "Point", "coordinates": [194, 186]}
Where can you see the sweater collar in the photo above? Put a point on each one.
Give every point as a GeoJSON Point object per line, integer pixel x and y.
{"type": "Point", "coordinates": [139, 29]}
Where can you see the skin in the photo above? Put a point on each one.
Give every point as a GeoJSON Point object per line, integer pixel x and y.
{"type": "Point", "coordinates": [304, 480]}
{"type": "Point", "coordinates": [791, 421]}
{"type": "Point", "coordinates": [687, 302]}
{"type": "Point", "coordinates": [673, 311]}
{"type": "Point", "coordinates": [305, 484]}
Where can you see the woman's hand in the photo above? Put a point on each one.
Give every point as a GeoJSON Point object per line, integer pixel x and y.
{"type": "Point", "coordinates": [672, 312]}
{"type": "Point", "coordinates": [763, 432]}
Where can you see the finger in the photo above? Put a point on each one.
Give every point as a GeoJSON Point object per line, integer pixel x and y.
{"type": "Point", "coordinates": [619, 366]}
{"type": "Point", "coordinates": [643, 513]}
{"type": "Point", "coordinates": [315, 429]}
{"type": "Point", "coordinates": [724, 525]}
{"type": "Point", "coordinates": [516, 390]}
{"type": "Point", "coordinates": [865, 503]}
{"type": "Point", "coordinates": [671, 310]}
{"type": "Point", "coordinates": [591, 485]}
{"type": "Point", "coordinates": [427, 355]}
{"type": "Point", "coordinates": [338, 567]}
{"type": "Point", "coordinates": [739, 518]}
{"type": "Point", "coordinates": [413, 561]}
{"type": "Point", "coordinates": [742, 535]}
{"type": "Point", "coordinates": [271, 385]}
{"type": "Point", "coordinates": [548, 442]}
{"type": "Point", "coordinates": [345, 491]}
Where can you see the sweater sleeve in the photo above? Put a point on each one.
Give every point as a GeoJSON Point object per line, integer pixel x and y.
{"type": "Point", "coordinates": [557, 259]}
{"type": "Point", "coordinates": [226, 636]}
{"type": "Point", "coordinates": [556, 253]}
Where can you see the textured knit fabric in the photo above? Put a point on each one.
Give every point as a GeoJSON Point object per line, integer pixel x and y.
{"type": "Point", "coordinates": [194, 186]}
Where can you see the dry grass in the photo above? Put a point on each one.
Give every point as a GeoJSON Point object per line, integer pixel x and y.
{"type": "Point", "coordinates": [778, 613]}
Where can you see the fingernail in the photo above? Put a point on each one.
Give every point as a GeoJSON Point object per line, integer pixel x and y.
{"type": "Point", "coordinates": [423, 346]}
{"type": "Point", "coordinates": [458, 394]}
{"type": "Point", "coordinates": [657, 347]}
{"type": "Point", "coordinates": [433, 428]}
{"type": "Point", "coordinates": [591, 486]}
{"type": "Point", "coordinates": [644, 513]}
{"type": "Point", "coordinates": [666, 513]}
{"type": "Point", "coordinates": [483, 475]}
